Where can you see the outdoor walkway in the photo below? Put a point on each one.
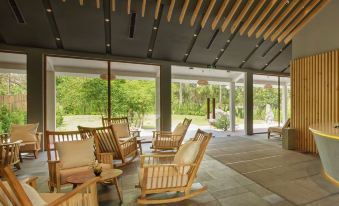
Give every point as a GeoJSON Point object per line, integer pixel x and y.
{"type": "Point", "coordinates": [239, 171]}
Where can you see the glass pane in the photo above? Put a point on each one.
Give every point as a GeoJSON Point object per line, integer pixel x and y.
{"type": "Point", "coordinates": [13, 91]}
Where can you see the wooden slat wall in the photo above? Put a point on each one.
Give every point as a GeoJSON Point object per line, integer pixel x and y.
{"type": "Point", "coordinates": [315, 95]}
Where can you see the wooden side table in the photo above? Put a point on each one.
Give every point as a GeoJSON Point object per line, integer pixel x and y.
{"type": "Point", "coordinates": [108, 176]}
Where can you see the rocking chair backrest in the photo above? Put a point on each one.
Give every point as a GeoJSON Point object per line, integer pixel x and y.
{"type": "Point", "coordinates": [115, 120]}
{"type": "Point", "coordinates": [287, 124]}
{"type": "Point", "coordinates": [186, 123]}
{"type": "Point", "coordinates": [105, 140]}
{"type": "Point", "coordinates": [9, 153]}
{"type": "Point", "coordinates": [204, 138]}
{"type": "Point", "coordinates": [51, 137]}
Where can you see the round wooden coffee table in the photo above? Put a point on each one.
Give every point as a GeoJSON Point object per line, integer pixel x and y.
{"type": "Point", "coordinates": [108, 176]}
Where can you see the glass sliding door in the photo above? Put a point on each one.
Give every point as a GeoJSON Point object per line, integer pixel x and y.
{"type": "Point", "coordinates": [13, 90]}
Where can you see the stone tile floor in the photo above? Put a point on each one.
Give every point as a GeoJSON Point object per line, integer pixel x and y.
{"type": "Point", "coordinates": [238, 170]}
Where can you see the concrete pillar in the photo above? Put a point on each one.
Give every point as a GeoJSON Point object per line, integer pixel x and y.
{"type": "Point", "coordinates": [50, 100]}
{"type": "Point", "coordinates": [248, 103]}
{"type": "Point", "coordinates": [284, 102]}
{"type": "Point", "coordinates": [165, 97]}
{"type": "Point", "coordinates": [35, 88]}
{"type": "Point", "coordinates": [232, 106]}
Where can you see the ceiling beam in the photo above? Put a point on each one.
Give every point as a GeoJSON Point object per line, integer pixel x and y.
{"type": "Point", "coordinates": [289, 19]}
{"type": "Point", "coordinates": [104, 57]}
{"type": "Point", "coordinates": [230, 15]}
{"type": "Point", "coordinates": [281, 17]}
{"type": "Point", "coordinates": [143, 8]}
{"type": "Point", "coordinates": [261, 17]}
{"type": "Point", "coordinates": [183, 11]}
{"type": "Point", "coordinates": [207, 13]}
{"type": "Point", "coordinates": [170, 10]}
{"type": "Point", "coordinates": [306, 20]}
{"type": "Point", "coordinates": [288, 30]}
{"type": "Point", "coordinates": [271, 18]}
{"type": "Point", "coordinates": [196, 12]}
{"type": "Point", "coordinates": [241, 15]}
{"type": "Point", "coordinates": [219, 14]}
{"type": "Point", "coordinates": [251, 17]}
{"type": "Point", "coordinates": [157, 8]}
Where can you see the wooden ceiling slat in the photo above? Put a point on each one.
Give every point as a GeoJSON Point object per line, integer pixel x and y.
{"type": "Point", "coordinates": [113, 5]}
{"type": "Point", "coordinates": [183, 11]}
{"type": "Point", "coordinates": [208, 12]}
{"type": "Point", "coordinates": [271, 18]}
{"type": "Point", "coordinates": [241, 15]}
{"type": "Point", "coordinates": [306, 20]}
{"type": "Point", "coordinates": [276, 22]}
{"type": "Point", "coordinates": [157, 8]}
{"type": "Point", "coordinates": [309, 8]}
{"type": "Point", "coordinates": [230, 15]}
{"type": "Point", "coordinates": [143, 8]}
{"type": "Point", "coordinates": [219, 14]}
{"type": "Point", "coordinates": [196, 12]}
{"type": "Point", "coordinates": [98, 4]}
{"type": "Point", "coordinates": [289, 19]}
{"type": "Point", "coordinates": [261, 17]}
{"type": "Point", "coordinates": [128, 6]}
{"type": "Point", "coordinates": [170, 10]}
{"type": "Point", "coordinates": [81, 2]}
{"type": "Point", "coordinates": [251, 17]}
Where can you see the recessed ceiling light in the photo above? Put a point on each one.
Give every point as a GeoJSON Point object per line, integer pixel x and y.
{"type": "Point", "coordinates": [106, 20]}
{"type": "Point", "coordinates": [195, 34]}
{"type": "Point", "coordinates": [150, 50]}
{"type": "Point", "coordinates": [243, 61]}
{"type": "Point", "coordinates": [58, 39]}
{"type": "Point", "coordinates": [49, 10]}
{"type": "Point", "coordinates": [281, 50]}
{"type": "Point", "coordinates": [186, 54]}
{"type": "Point", "coordinates": [228, 41]}
{"type": "Point", "coordinates": [222, 50]}
{"type": "Point", "coordinates": [108, 45]}
{"type": "Point", "coordinates": [266, 64]}
{"type": "Point", "coordinates": [257, 45]}
{"type": "Point", "coordinates": [155, 28]}
{"type": "Point", "coordinates": [216, 58]}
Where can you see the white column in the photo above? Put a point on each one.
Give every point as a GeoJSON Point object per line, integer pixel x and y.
{"type": "Point", "coordinates": [284, 102]}
{"type": "Point", "coordinates": [50, 101]}
{"type": "Point", "coordinates": [232, 106]}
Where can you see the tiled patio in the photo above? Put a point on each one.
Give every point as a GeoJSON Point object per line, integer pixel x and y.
{"type": "Point", "coordinates": [239, 171]}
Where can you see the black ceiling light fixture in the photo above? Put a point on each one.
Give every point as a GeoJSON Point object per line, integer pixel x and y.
{"type": "Point", "coordinates": [154, 34]}
{"type": "Point", "coordinates": [16, 12]}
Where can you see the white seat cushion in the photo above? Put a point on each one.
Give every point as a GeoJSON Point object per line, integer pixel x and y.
{"type": "Point", "coordinates": [76, 153]}
{"type": "Point", "coordinates": [26, 133]}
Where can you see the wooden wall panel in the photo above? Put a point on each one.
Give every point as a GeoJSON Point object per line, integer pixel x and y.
{"type": "Point", "coordinates": [315, 95]}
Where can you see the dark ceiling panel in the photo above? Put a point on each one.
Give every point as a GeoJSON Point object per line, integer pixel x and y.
{"type": "Point", "coordinates": [257, 60]}
{"type": "Point", "coordinates": [237, 51]}
{"type": "Point", "coordinates": [282, 61]}
{"type": "Point", "coordinates": [121, 44]}
{"type": "Point", "coordinates": [174, 38]}
{"type": "Point", "coordinates": [81, 27]}
{"type": "Point", "coordinates": [287, 70]}
{"type": "Point", "coordinates": [35, 32]}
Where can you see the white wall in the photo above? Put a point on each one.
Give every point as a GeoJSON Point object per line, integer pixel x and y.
{"type": "Point", "coordinates": [320, 35]}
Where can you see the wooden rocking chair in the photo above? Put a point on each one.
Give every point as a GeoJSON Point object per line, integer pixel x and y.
{"type": "Point", "coordinates": [22, 194]}
{"type": "Point", "coordinates": [58, 174]}
{"type": "Point", "coordinates": [166, 140]}
{"type": "Point", "coordinates": [277, 131]}
{"type": "Point", "coordinates": [162, 173]}
{"type": "Point", "coordinates": [122, 124]}
{"type": "Point", "coordinates": [124, 149]}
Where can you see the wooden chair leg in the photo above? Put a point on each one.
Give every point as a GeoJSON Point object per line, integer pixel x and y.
{"type": "Point", "coordinates": [17, 166]}
{"type": "Point", "coordinates": [36, 154]}
{"type": "Point", "coordinates": [116, 183]}
{"type": "Point", "coordinates": [268, 135]}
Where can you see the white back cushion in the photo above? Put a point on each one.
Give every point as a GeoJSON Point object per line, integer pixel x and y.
{"type": "Point", "coordinates": [76, 153]}
{"type": "Point", "coordinates": [26, 132]}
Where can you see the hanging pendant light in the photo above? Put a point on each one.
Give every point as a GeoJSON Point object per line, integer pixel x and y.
{"type": "Point", "coordinates": [202, 82]}
{"type": "Point", "coordinates": [105, 76]}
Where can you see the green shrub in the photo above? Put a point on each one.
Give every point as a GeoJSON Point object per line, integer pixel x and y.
{"type": "Point", "coordinates": [223, 122]}
{"type": "Point", "coordinates": [8, 118]}
{"type": "Point", "coordinates": [59, 117]}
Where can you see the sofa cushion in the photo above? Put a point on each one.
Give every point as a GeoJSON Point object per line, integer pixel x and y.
{"type": "Point", "coordinates": [65, 173]}
{"type": "Point", "coordinates": [26, 133]}
{"type": "Point", "coordinates": [121, 130]}
{"type": "Point", "coordinates": [29, 146]}
{"type": "Point", "coordinates": [76, 153]}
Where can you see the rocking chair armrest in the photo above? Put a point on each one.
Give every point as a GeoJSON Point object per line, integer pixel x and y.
{"type": "Point", "coordinates": [157, 155]}
{"type": "Point", "coordinates": [167, 165]}
{"type": "Point", "coordinates": [127, 140]}
{"type": "Point", "coordinates": [32, 181]}
{"type": "Point", "coordinates": [161, 132]}
{"type": "Point", "coordinates": [105, 158]}
{"type": "Point", "coordinates": [156, 158]}
{"type": "Point", "coordinates": [87, 186]}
